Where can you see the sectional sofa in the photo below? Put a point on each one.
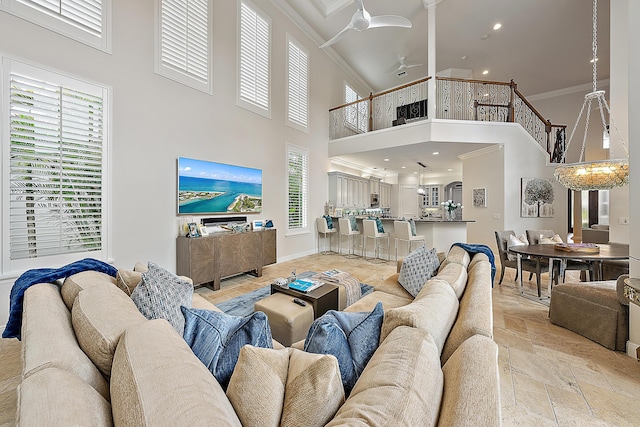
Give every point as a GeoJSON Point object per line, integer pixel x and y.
{"type": "Point", "coordinates": [91, 358]}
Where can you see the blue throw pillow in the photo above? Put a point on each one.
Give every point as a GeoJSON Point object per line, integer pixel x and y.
{"type": "Point", "coordinates": [216, 338]}
{"type": "Point", "coordinates": [412, 224]}
{"type": "Point", "coordinates": [379, 224]}
{"type": "Point", "coordinates": [351, 337]}
{"type": "Point", "coordinates": [354, 224]}
{"type": "Point", "coordinates": [329, 221]}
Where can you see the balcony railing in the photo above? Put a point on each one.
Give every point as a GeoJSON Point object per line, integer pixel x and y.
{"type": "Point", "coordinates": [456, 99]}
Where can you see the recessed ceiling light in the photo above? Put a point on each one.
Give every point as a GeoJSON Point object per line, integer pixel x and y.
{"type": "Point", "coordinates": [386, 160]}
{"type": "Point", "coordinates": [415, 173]}
{"type": "Point", "coordinates": [404, 167]}
{"type": "Point", "coordinates": [464, 57]}
{"type": "Point", "coordinates": [497, 26]}
{"type": "Point", "coordinates": [484, 37]}
{"type": "Point", "coordinates": [435, 153]}
{"type": "Point", "coordinates": [449, 170]}
{"type": "Point", "coordinates": [485, 72]}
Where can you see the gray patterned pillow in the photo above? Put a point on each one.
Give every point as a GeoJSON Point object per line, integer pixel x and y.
{"type": "Point", "coordinates": [418, 267]}
{"type": "Point", "coordinates": [160, 295]}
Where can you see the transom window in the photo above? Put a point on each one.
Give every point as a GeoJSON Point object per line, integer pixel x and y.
{"type": "Point", "coordinates": [183, 40]}
{"type": "Point", "coordinates": [87, 21]}
{"type": "Point", "coordinates": [297, 85]}
{"type": "Point", "coordinates": [253, 59]}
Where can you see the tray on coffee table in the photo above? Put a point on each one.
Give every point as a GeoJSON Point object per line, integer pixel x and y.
{"type": "Point", "coordinates": [322, 299]}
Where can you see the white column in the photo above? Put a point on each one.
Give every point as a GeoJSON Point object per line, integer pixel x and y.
{"type": "Point", "coordinates": [430, 5]}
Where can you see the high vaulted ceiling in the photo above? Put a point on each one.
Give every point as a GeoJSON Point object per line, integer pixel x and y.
{"type": "Point", "coordinates": [543, 45]}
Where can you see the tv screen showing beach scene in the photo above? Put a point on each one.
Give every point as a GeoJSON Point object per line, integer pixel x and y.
{"type": "Point", "coordinates": [215, 188]}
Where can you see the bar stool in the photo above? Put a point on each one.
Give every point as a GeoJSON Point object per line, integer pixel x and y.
{"type": "Point", "coordinates": [345, 230]}
{"type": "Point", "coordinates": [323, 228]}
{"type": "Point", "coordinates": [403, 233]}
{"type": "Point", "coordinates": [371, 232]}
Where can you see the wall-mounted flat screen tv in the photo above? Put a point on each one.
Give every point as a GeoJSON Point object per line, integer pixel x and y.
{"type": "Point", "coordinates": [216, 188]}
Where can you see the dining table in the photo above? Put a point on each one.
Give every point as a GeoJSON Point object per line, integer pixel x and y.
{"type": "Point", "coordinates": [606, 252]}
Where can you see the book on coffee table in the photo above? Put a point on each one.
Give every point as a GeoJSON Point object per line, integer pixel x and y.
{"type": "Point", "coordinates": [305, 285]}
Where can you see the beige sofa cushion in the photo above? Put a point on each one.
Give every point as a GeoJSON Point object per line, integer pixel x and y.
{"type": "Point", "coordinates": [156, 380]}
{"type": "Point", "coordinates": [477, 258]}
{"type": "Point", "coordinates": [456, 275]}
{"type": "Point", "coordinates": [55, 397]}
{"type": "Point", "coordinates": [86, 279]}
{"type": "Point", "coordinates": [457, 255]}
{"type": "Point", "coordinates": [100, 315]}
{"type": "Point", "coordinates": [256, 388]}
{"type": "Point", "coordinates": [471, 385]}
{"type": "Point", "coordinates": [434, 310]}
{"type": "Point", "coordinates": [314, 390]}
{"type": "Point", "coordinates": [285, 387]}
{"type": "Point", "coordinates": [48, 338]}
{"type": "Point", "coordinates": [475, 315]}
{"type": "Point", "coordinates": [401, 385]}
{"type": "Point", "coordinates": [199, 302]}
{"type": "Point", "coordinates": [127, 280]}
{"type": "Point", "coordinates": [391, 286]}
{"type": "Point", "coordinates": [368, 302]}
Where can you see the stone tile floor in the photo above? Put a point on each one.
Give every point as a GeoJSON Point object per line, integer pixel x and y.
{"type": "Point", "coordinates": [549, 376]}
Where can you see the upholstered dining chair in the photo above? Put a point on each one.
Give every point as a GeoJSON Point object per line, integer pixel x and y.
{"type": "Point", "coordinates": [530, 265]}
{"type": "Point", "coordinates": [403, 233]}
{"type": "Point", "coordinates": [533, 236]}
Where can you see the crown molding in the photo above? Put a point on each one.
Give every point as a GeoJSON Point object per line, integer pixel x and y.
{"type": "Point", "coordinates": [365, 170]}
{"type": "Point", "coordinates": [318, 40]}
{"type": "Point", "coordinates": [480, 152]}
{"type": "Point", "coordinates": [587, 87]}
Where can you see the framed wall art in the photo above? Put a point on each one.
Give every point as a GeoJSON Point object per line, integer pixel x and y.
{"type": "Point", "coordinates": [537, 195]}
{"type": "Point", "coordinates": [479, 197]}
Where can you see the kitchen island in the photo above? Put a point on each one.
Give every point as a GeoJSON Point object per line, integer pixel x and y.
{"type": "Point", "coordinates": [438, 233]}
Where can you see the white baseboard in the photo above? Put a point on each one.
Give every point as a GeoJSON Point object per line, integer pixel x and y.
{"type": "Point", "coordinates": [296, 256]}
{"type": "Point", "coordinates": [633, 350]}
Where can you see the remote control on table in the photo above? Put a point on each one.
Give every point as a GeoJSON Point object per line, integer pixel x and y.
{"type": "Point", "coordinates": [300, 302]}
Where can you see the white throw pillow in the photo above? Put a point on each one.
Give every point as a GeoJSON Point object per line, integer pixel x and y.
{"type": "Point", "coordinates": [550, 240]}
{"type": "Point", "coordinates": [515, 241]}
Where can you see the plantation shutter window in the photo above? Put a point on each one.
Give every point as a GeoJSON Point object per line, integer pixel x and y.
{"type": "Point", "coordinates": [297, 189]}
{"type": "Point", "coordinates": [83, 20]}
{"type": "Point", "coordinates": [183, 53]}
{"type": "Point", "coordinates": [298, 83]}
{"type": "Point", "coordinates": [56, 167]}
{"type": "Point", "coordinates": [254, 59]}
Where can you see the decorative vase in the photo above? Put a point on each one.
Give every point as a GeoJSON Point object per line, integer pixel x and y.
{"type": "Point", "coordinates": [450, 215]}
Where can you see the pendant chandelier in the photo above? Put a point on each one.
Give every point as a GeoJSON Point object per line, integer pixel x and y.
{"type": "Point", "coordinates": [421, 190]}
{"type": "Point", "coordinates": [601, 174]}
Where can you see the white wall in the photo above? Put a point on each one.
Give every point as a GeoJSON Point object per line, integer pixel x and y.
{"type": "Point", "coordinates": [156, 120]}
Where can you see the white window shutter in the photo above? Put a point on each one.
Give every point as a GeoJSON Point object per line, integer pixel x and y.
{"type": "Point", "coordinates": [297, 189]}
{"type": "Point", "coordinates": [297, 84]}
{"type": "Point", "coordinates": [254, 64]}
{"type": "Point", "coordinates": [56, 151]}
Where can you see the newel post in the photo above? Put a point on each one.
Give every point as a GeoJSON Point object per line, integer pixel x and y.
{"type": "Point", "coordinates": [370, 111]}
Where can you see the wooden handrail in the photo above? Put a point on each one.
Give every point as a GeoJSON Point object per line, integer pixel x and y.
{"type": "Point", "coordinates": [485, 82]}
{"type": "Point", "coordinates": [371, 96]}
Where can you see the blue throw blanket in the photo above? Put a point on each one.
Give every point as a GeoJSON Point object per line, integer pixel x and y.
{"type": "Point", "coordinates": [475, 248]}
{"type": "Point", "coordinates": [45, 275]}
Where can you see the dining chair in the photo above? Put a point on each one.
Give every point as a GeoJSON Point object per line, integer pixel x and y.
{"type": "Point", "coordinates": [527, 264]}
{"type": "Point", "coordinates": [566, 264]}
{"type": "Point", "coordinates": [403, 233]}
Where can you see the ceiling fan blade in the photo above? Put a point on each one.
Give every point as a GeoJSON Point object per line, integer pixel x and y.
{"type": "Point", "coordinates": [337, 36]}
{"type": "Point", "coordinates": [413, 65]}
{"type": "Point", "coordinates": [389, 21]}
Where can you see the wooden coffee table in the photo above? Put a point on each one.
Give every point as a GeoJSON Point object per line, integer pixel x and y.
{"type": "Point", "coordinates": [322, 299]}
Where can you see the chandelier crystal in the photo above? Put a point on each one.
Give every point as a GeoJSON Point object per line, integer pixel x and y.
{"type": "Point", "coordinates": [601, 174]}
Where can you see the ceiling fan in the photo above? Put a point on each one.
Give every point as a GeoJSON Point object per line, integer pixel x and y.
{"type": "Point", "coordinates": [362, 20]}
{"type": "Point", "coordinates": [401, 71]}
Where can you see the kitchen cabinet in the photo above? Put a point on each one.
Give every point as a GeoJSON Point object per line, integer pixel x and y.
{"type": "Point", "coordinates": [385, 195]}
{"type": "Point", "coordinates": [432, 196]}
{"type": "Point", "coordinates": [348, 191]}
